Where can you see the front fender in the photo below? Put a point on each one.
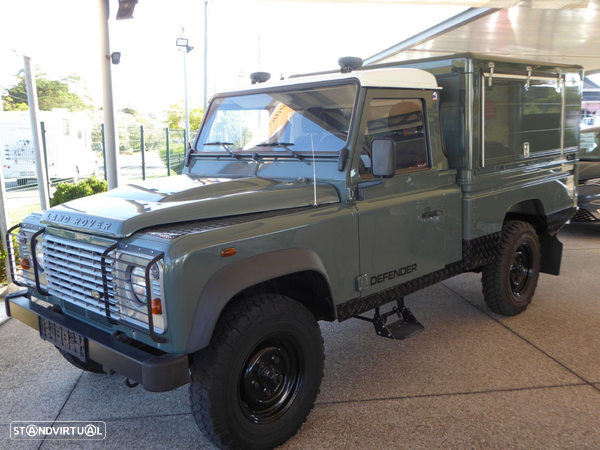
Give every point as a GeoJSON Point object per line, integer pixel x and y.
{"type": "Point", "coordinates": [231, 280]}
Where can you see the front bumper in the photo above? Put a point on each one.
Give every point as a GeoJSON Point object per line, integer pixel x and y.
{"type": "Point", "coordinates": [155, 373]}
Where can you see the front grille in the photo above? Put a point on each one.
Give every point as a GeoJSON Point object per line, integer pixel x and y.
{"type": "Point", "coordinates": [75, 309]}
{"type": "Point", "coordinates": [102, 320]}
{"type": "Point", "coordinates": [74, 271]}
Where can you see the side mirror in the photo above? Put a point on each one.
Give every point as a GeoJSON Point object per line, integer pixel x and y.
{"type": "Point", "coordinates": [383, 157]}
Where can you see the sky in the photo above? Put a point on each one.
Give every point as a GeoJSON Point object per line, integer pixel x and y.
{"type": "Point", "coordinates": [244, 36]}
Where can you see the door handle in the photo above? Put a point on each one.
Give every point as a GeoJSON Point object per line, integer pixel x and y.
{"type": "Point", "coordinates": [431, 214]}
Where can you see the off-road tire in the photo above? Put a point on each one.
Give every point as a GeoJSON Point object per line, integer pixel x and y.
{"type": "Point", "coordinates": [509, 282]}
{"type": "Point", "coordinates": [88, 366]}
{"type": "Point", "coordinates": [224, 374]}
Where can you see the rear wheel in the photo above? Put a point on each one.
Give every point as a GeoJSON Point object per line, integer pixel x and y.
{"type": "Point", "coordinates": [510, 281]}
{"type": "Point", "coordinates": [256, 382]}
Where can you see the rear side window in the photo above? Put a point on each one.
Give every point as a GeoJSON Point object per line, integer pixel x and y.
{"type": "Point", "coordinates": [523, 119]}
{"type": "Point", "coordinates": [402, 120]}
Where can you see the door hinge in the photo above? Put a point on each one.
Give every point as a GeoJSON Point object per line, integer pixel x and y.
{"type": "Point", "coordinates": [362, 282]}
{"type": "Point", "coordinates": [352, 193]}
{"type": "Point", "coordinates": [491, 65]}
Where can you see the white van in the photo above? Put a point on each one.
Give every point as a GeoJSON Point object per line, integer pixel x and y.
{"type": "Point", "coordinates": [68, 137]}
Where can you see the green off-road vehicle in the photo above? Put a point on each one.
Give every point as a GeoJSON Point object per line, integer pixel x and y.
{"type": "Point", "coordinates": [321, 197]}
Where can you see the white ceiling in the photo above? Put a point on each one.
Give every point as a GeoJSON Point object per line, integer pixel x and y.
{"type": "Point", "coordinates": [570, 36]}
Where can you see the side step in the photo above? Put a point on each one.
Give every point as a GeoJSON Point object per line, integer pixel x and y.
{"type": "Point", "coordinates": [406, 327]}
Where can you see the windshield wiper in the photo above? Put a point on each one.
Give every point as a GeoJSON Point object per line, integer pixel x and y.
{"type": "Point", "coordinates": [283, 145]}
{"type": "Point", "coordinates": [225, 145]}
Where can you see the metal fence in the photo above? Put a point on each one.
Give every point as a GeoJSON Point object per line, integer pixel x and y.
{"type": "Point", "coordinates": [144, 152]}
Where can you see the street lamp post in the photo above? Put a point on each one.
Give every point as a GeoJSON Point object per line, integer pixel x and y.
{"type": "Point", "coordinates": [183, 42]}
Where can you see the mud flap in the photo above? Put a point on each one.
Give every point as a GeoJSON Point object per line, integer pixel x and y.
{"type": "Point", "coordinates": [551, 254]}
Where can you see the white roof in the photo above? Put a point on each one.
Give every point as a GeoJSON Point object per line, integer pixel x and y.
{"type": "Point", "coordinates": [385, 78]}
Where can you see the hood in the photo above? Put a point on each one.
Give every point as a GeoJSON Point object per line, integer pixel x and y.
{"type": "Point", "coordinates": [123, 211]}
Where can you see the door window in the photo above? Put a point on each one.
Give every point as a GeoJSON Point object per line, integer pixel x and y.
{"type": "Point", "coordinates": [402, 120]}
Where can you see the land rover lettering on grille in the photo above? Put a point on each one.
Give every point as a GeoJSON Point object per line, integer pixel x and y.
{"type": "Point", "coordinates": [60, 218]}
{"type": "Point", "coordinates": [91, 223]}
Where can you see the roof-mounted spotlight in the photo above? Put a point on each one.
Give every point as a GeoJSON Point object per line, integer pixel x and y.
{"type": "Point", "coordinates": [126, 8]}
{"type": "Point", "coordinates": [350, 63]}
{"type": "Point", "coordinates": [260, 77]}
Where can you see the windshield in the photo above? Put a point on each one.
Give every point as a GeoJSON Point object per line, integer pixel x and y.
{"type": "Point", "coordinates": [291, 121]}
{"type": "Point", "coordinates": [590, 151]}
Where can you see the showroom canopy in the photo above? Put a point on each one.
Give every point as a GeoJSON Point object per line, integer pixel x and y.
{"type": "Point", "coordinates": [529, 30]}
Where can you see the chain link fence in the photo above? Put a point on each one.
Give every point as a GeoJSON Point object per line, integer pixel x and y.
{"type": "Point", "coordinates": [147, 152]}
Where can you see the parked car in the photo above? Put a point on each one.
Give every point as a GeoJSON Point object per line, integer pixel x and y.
{"type": "Point", "coordinates": [321, 197]}
{"type": "Point", "coordinates": [588, 191]}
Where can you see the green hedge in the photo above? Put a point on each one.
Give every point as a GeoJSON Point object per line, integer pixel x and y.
{"type": "Point", "coordinates": [65, 192]}
{"type": "Point", "coordinates": [177, 158]}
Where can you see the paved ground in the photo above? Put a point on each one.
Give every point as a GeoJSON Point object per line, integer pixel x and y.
{"type": "Point", "coordinates": [472, 380]}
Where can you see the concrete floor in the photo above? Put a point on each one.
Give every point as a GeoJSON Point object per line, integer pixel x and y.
{"type": "Point", "coordinates": [471, 380]}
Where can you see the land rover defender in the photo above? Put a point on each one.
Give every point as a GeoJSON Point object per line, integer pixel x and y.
{"type": "Point", "coordinates": [320, 197]}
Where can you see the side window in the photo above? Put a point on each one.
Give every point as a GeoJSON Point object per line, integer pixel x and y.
{"type": "Point", "coordinates": [399, 119]}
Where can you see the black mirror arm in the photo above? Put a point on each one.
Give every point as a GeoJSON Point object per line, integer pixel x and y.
{"type": "Point", "coordinates": [342, 158]}
{"type": "Point", "coordinates": [361, 186]}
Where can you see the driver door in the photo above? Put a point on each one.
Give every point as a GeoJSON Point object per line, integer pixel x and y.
{"type": "Point", "coordinates": [402, 220]}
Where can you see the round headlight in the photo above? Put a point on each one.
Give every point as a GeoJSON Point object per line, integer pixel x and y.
{"type": "Point", "coordinates": [39, 256]}
{"type": "Point", "coordinates": [137, 278]}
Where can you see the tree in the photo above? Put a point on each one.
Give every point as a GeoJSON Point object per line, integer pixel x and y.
{"type": "Point", "coordinates": [129, 111]}
{"type": "Point", "coordinates": [51, 94]}
{"type": "Point", "coordinates": [8, 104]}
{"type": "Point", "coordinates": [176, 117]}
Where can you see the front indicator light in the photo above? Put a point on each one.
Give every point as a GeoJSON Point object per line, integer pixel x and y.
{"type": "Point", "coordinates": [231, 251]}
{"type": "Point", "coordinates": [25, 264]}
{"type": "Point", "coordinates": [156, 307]}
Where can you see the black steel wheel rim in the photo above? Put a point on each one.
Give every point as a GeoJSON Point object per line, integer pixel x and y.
{"type": "Point", "coordinates": [271, 378]}
{"type": "Point", "coordinates": [521, 269]}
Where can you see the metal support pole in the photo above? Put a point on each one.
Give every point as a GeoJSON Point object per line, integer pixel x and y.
{"type": "Point", "coordinates": [40, 161]}
{"type": "Point", "coordinates": [143, 145]}
{"type": "Point", "coordinates": [205, 53]}
{"type": "Point", "coordinates": [168, 153]}
{"type": "Point", "coordinates": [187, 111]}
{"type": "Point", "coordinates": [4, 219]}
{"type": "Point", "coordinates": [111, 168]}
{"type": "Point", "coordinates": [103, 151]}
{"type": "Point", "coordinates": [43, 125]}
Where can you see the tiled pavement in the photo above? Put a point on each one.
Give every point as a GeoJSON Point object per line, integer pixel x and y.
{"type": "Point", "coordinates": [472, 380]}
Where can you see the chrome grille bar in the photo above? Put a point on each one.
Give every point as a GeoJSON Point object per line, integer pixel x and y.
{"type": "Point", "coordinates": [99, 279]}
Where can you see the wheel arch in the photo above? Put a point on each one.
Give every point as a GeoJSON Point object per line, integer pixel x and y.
{"type": "Point", "coordinates": [532, 211]}
{"type": "Point", "coordinates": [281, 272]}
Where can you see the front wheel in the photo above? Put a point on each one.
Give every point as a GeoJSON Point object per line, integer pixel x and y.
{"type": "Point", "coordinates": [255, 384]}
{"type": "Point", "coordinates": [509, 282]}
